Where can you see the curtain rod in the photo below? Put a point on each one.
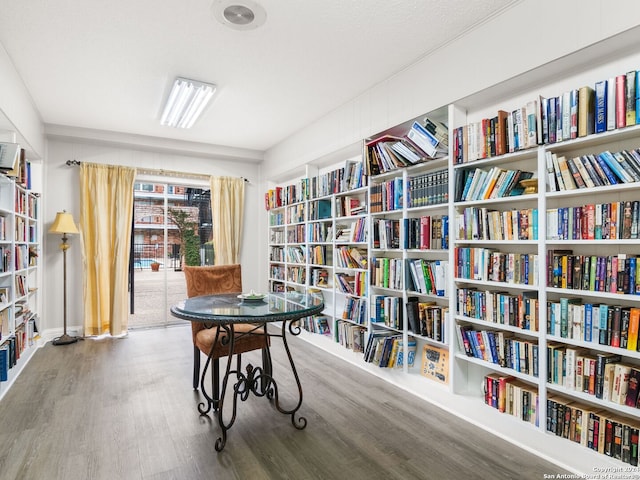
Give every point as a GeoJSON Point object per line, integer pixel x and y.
{"type": "Point", "coordinates": [168, 173]}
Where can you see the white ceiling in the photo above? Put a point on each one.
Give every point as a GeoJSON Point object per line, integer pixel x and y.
{"type": "Point", "coordinates": [109, 65]}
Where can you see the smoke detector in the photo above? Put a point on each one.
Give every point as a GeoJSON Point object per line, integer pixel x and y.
{"type": "Point", "coordinates": [239, 14]}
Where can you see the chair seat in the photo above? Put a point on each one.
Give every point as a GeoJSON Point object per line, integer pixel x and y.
{"type": "Point", "coordinates": [248, 337]}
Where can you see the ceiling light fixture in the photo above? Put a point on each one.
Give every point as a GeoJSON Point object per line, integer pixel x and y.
{"type": "Point", "coordinates": [239, 14]}
{"type": "Point", "coordinates": [186, 102]}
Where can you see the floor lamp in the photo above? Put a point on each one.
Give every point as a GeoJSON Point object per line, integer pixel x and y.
{"type": "Point", "coordinates": [64, 224]}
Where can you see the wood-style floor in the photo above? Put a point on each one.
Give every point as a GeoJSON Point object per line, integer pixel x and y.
{"type": "Point", "coordinates": [124, 409]}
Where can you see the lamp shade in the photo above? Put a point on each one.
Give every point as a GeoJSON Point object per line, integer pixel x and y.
{"type": "Point", "coordinates": [63, 224]}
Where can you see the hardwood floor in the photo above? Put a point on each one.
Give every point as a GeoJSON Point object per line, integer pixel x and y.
{"type": "Point", "coordinates": [125, 409]}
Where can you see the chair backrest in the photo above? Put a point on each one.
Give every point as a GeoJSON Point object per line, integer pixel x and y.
{"type": "Point", "coordinates": [213, 279]}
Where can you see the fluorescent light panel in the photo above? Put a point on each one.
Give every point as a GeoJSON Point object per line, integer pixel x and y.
{"type": "Point", "coordinates": [186, 102]}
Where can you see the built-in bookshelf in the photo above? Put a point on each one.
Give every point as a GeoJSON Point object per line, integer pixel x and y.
{"type": "Point", "coordinates": [19, 271]}
{"type": "Point", "coordinates": [508, 266]}
{"type": "Point", "coordinates": [318, 240]}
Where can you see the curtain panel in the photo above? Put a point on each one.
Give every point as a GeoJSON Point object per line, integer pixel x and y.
{"type": "Point", "coordinates": [106, 211]}
{"type": "Point", "coordinates": [227, 212]}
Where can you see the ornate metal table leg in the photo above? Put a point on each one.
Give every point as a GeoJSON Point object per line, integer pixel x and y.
{"type": "Point", "coordinates": [212, 402]}
{"type": "Point", "coordinates": [301, 422]}
{"type": "Point", "coordinates": [222, 440]}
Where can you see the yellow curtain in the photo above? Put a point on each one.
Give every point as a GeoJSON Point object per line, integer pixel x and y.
{"type": "Point", "coordinates": [227, 212]}
{"type": "Point", "coordinates": [106, 210]}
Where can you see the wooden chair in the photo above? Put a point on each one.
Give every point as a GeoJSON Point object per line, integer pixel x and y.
{"type": "Point", "coordinates": [220, 279]}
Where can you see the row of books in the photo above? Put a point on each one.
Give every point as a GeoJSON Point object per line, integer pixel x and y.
{"type": "Point", "coordinates": [507, 131]}
{"type": "Point", "coordinates": [512, 396]}
{"type": "Point", "coordinates": [348, 206]}
{"type": "Point", "coordinates": [595, 221]}
{"type": "Point", "coordinates": [599, 323]}
{"type": "Point", "coordinates": [297, 275]}
{"type": "Point", "coordinates": [386, 196]}
{"type": "Point", "coordinates": [319, 277]}
{"type": "Point", "coordinates": [427, 277]}
{"type": "Point", "coordinates": [318, 255]}
{"type": "Point", "coordinates": [21, 285]}
{"type": "Point", "coordinates": [295, 255]}
{"type": "Point", "coordinates": [518, 310]}
{"type": "Point", "coordinates": [611, 273]}
{"type": "Point", "coordinates": [319, 209]}
{"type": "Point", "coordinates": [387, 310]}
{"type": "Point", "coordinates": [296, 234]}
{"type": "Point", "coordinates": [611, 103]}
{"type": "Point", "coordinates": [430, 188]}
{"type": "Point", "coordinates": [5, 259]}
{"type": "Point", "coordinates": [355, 310]}
{"type": "Point", "coordinates": [428, 232]}
{"type": "Point", "coordinates": [295, 213]}
{"type": "Point", "coordinates": [277, 236]}
{"type": "Point", "coordinates": [386, 233]}
{"type": "Point", "coordinates": [422, 142]}
{"type": "Point", "coordinates": [589, 171]}
{"type": "Point", "coordinates": [599, 374]}
{"type": "Point", "coordinates": [355, 231]}
{"type": "Point", "coordinates": [488, 265]}
{"type": "Point", "coordinates": [482, 184]}
{"type": "Point", "coordinates": [350, 257]}
{"type": "Point", "coordinates": [349, 335]}
{"type": "Point", "coordinates": [276, 254]}
{"type": "Point", "coordinates": [352, 283]}
{"type": "Point", "coordinates": [499, 348]}
{"type": "Point", "coordinates": [387, 272]}
{"type": "Point", "coordinates": [481, 223]}
{"type": "Point", "coordinates": [276, 272]}
{"type": "Point", "coordinates": [276, 218]}
{"type": "Point", "coordinates": [385, 349]}
{"type": "Point", "coordinates": [317, 324]}
{"type": "Point", "coordinates": [5, 330]}
{"type": "Point", "coordinates": [12, 347]}
{"type": "Point", "coordinates": [594, 428]}
{"type": "Point", "coordinates": [319, 232]}
{"type": "Point", "coordinates": [344, 179]}
{"type": "Point", "coordinates": [427, 319]}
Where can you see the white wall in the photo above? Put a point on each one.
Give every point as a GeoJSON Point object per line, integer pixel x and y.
{"type": "Point", "coordinates": [61, 184]}
{"type": "Point", "coordinates": [17, 111]}
{"type": "Point", "coordinates": [524, 37]}
{"type": "Point", "coordinates": [530, 34]}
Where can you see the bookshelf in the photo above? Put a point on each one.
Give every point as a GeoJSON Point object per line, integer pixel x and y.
{"type": "Point", "coordinates": [19, 271]}
{"type": "Point", "coordinates": [318, 232]}
{"type": "Point", "coordinates": [499, 243]}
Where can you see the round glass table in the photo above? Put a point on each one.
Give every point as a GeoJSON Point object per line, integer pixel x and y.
{"type": "Point", "coordinates": [226, 310]}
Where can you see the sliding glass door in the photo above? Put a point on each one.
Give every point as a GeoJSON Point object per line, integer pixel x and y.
{"type": "Point", "coordinates": [172, 227]}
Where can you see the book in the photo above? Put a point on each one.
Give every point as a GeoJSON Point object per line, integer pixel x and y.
{"type": "Point", "coordinates": [630, 98]}
{"type": "Point", "coordinates": [9, 156]}
{"type": "Point", "coordinates": [412, 314]}
{"type": "Point", "coordinates": [435, 363]}
{"type": "Point", "coordinates": [568, 179]}
{"type": "Point", "coordinates": [421, 137]}
{"type": "Point", "coordinates": [600, 106]}
{"type": "Point", "coordinates": [633, 388]}
{"type": "Point", "coordinates": [621, 101]}
{"type": "Point", "coordinates": [611, 103]}
{"type": "Point", "coordinates": [586, 111]}
{"type": "Point", "coordinates": [621, 383]}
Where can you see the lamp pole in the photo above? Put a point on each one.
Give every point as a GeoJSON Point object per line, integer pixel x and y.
{"type": "Point", "coordinates": [64, 339]}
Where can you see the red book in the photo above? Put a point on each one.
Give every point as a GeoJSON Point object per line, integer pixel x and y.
{"type": "Point", "coordinates": [621, 95]}
{"type": "Point", "coordinates": [425, 233]}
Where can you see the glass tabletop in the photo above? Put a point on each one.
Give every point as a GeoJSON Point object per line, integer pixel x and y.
{"type": "Point", "coordinates": [232, 308]}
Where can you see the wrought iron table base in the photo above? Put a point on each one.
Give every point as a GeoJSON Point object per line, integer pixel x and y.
{"type": "Point", "coordinates": [256, 380]}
